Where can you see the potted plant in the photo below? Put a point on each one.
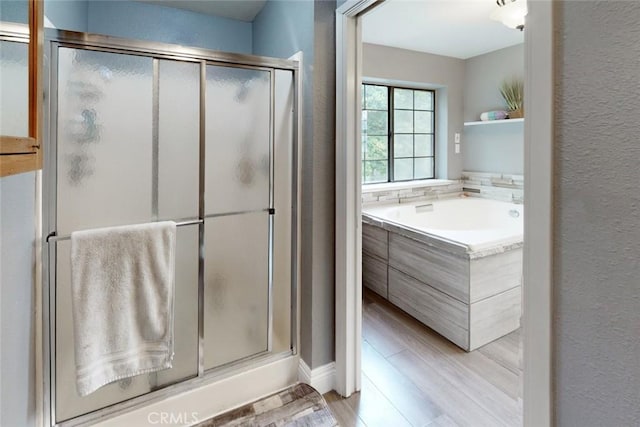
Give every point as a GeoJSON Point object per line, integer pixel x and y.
{"type": "Point", "coordinates": [513, 93]}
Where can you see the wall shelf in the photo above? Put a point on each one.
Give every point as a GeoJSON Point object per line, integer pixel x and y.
{"type": "Point", "coordinates": [494, 122]}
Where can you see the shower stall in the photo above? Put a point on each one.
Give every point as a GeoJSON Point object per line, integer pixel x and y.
{"type": "Point", "coordinates": [139, 132]}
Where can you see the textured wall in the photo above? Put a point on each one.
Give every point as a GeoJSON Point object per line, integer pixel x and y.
{"type": "Point", "coordinates": [14, 11]}
{"type": "Point", "coordinates": [441, 72]}
{"type": "Point", "coordinates": [492, 148]}
{"type": "Point", "coordinates": [597, 221]}
{"type": "Point", "coordinates": [323, 231]}
{"type": "Point", "coordinates": [141, 21]}
{"type": "Point", "coordinates": [281, 29]}
{"type": "Point", "coordinates": [17, 351]}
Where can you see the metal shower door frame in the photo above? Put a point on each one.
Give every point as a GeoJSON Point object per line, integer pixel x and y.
{"type": "Point", "coordinates": [55, 39]}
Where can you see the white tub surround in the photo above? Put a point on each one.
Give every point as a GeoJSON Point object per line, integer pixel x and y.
{"type": "Point", "coordinates": [497, 186]}
{"type": "Point", "coordinates": [455, 265]}
{"type": "Point", "coordinates": [410, 192]}
{"type": "Point", "coordinates": [476, 224]}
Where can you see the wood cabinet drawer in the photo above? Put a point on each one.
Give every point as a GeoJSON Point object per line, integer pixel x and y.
{"type": "Point", "coordinates": [434, 267]}
{"type": "Point", "coordinates": [375, 241]}
{"type": "Point", "coordinates": [442, 313]}
{"type": "Point", "coordinates": [374, 274]}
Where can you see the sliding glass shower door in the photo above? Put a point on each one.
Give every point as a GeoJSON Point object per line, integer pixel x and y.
{"type": "Point", "coordinates": [140, 137]}
{"type": "Point", "coordinates": [248, 208]}
{"type": "Point", "coordinates": [237, 220]}
{"type": "Point", "coordinates": [120, 162]}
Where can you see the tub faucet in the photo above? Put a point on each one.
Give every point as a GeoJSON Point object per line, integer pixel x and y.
{"type": "Point", "coordinates": [424, 208]}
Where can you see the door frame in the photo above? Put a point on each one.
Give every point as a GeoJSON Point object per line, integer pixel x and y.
{"type": "Point", "coordinates": [538, 238]}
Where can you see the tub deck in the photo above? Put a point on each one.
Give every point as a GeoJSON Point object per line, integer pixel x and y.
{"type": "Point", "coordinates": [470, 297]}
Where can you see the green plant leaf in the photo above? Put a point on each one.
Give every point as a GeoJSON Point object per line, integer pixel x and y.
{"type": "Point", "coordinates": [512, 91]}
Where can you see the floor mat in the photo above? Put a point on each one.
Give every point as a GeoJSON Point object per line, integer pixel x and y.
{"type": "Point", "coordinates": [298, 406]}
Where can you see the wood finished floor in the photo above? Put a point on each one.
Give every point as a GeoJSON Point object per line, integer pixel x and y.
{"type": "Point", "coordinates": [411, 376]}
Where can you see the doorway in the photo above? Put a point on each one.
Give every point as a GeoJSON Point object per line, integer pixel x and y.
{"type": "Point", "coordinates": [537, 209]}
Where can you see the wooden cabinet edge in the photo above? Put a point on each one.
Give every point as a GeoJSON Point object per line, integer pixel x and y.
{"type": "Point", "coordinates": [18, 155]}
{"type": "Point", "coordinates": [13, 164]}
{"type": "Point", "coordinates": [36, 59]}
{"type": "Point", "coordinates": [18, 145]}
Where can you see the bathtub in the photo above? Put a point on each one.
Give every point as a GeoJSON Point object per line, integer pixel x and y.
{"type": "Point", "coordinates": [455, 265]}
{"type": "Point", "coordinates": [476, 223]}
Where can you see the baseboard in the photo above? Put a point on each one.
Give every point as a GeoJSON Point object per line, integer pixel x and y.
{"type": "Point", "coordinates": [322, 378]}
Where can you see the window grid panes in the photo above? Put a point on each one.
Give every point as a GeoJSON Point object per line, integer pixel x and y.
{"type": "Point", "coordinates": [375, 134]}
{"type": "Point", "coordinates": [398, 134]}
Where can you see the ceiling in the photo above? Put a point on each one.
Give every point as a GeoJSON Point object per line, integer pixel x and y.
{"type": "Point", "coordinates": [241, 10]}
{"type": "Point", "coordinates": [457, 28]}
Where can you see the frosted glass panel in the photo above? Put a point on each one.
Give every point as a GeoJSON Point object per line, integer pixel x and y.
{"type": "Point", "coordinates": [283, 199]}
{"type": "Point", "coordinates": [236, 287]}
{"type": "Point", "coordinates": [104, 139]}
{"type": "Point", "coordinates": [14, 89]}
{"type": "Point", "coordinates": [185, 325]}
{"type": "Point", "coordinates": [179, 139]}
{"type": "Point", "coordinates": [237, 140]}
{"type": "Point", "coordinates": [185, 363]}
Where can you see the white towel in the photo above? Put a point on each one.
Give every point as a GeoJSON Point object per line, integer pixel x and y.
{"type": "Point", "coordinates": [122, 289]}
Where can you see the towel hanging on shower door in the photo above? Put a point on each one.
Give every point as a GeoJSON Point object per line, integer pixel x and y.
{"type": "Point", "coordinates": [122, 284]}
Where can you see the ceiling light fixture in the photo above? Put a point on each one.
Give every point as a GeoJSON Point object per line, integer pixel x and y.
{"type": "Point", "coordinates": [511, 13]}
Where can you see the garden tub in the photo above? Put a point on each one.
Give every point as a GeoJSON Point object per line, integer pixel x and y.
{"type": "Point", "coordinates": [455, 265]}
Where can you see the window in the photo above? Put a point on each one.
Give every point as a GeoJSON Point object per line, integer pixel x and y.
{"type": "Point", "coordinates": [398, 134]}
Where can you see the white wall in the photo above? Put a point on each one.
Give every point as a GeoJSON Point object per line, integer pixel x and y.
{"type": "Point", "coordinates": [17, 333]}
{"type": "Point", "coordinates": [597, 219]}
{"type": "Point", "coordinates": [492, 148]}
{"type": "Point", "coordinates": [445, 74]}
